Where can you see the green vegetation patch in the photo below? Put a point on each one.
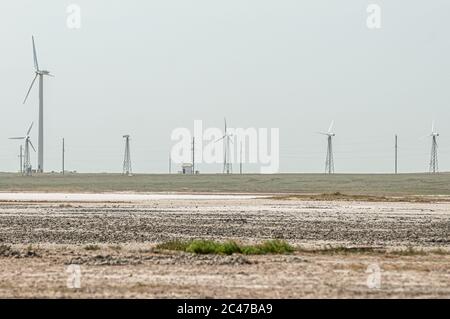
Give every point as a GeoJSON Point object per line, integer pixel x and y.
{"type": "Point", "coordinates": [199, 246]}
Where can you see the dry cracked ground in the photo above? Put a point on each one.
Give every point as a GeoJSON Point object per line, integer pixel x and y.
{"type": "Point", "coordinates": [402, 247]}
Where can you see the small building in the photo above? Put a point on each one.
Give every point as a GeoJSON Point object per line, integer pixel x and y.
{"type": "Point", "coordinates": [186, 169]}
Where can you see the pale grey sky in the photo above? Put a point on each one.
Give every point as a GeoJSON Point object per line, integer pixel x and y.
{"type": "Point", "coordinates": [147, 67]}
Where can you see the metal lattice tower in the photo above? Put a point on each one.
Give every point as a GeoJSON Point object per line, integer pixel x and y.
{"type": "Point", "coordinates": [127, 158]}
{"type": "Point", "coordinates": [434, 167]}
{"type": "Point", "coordinates": [329, 162]}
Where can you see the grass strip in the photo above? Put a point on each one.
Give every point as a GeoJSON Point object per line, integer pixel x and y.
{"type": "Point", "coordinates": [200, 246]}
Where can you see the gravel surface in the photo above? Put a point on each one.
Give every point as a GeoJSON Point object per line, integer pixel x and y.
{"type": "Point", "coordinates": [299, 222]}
{"type": "Point", "coordinates": [135, 271]}
{"type": "Point", "coordinates": [114, 245]}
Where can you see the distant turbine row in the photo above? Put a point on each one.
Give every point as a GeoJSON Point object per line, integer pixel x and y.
{"type": "Point", "coordinates": [227, 166]}
{"type": "Point", "coordinates": [39, 73]}
{"type": "Point", "coordinates": [329, 161]}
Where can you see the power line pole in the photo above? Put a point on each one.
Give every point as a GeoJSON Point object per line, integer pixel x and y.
{"type": "Point", "coordinates": [240, 157]}
{"type": "Point", "coordinates": [396, 154]}
{"type": "Point", "coordinates": [127, 157]}
{"type": "Point", "coordinates": [63, 155]}
{"type": "Point", "coordinates": [193, 155]}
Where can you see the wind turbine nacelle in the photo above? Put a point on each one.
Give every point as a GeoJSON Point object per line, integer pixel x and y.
{"type": "Point", "coordinates": [43, 72]}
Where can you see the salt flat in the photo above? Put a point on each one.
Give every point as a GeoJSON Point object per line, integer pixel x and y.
{"type": "Point", "coordinates": [113, 197]}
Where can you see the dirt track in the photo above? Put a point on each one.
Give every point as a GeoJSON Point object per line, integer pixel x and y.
{"type": "Point", "coordinates": [125, 265]}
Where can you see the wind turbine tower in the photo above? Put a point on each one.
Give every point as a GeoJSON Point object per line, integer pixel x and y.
{"type": "Point", "coordinates": [127, 157]}
{"type": "Point", "coordinates": [21, 159]}
{"type": "Point", "coordinates": [329, 162]}
{"type": "Point", "coordinates": [227, 166]}
{"type": "Point", "coordinates": [39, 73]}
{"type": "Point", "coordinates": [27, 168]}
{"type": "Point", "coordinates": [434, 167]}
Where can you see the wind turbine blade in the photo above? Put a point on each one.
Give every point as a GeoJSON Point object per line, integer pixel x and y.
{"type": "Point", "coordinates": [432, 127]}
{"type": "Point", "coordinates": [331, 126]}
{"type": "Point", "coordinates": [29, 90]}
{"type": "Point", "coordinates": [220, 139]}
{"type": "Point", "coordinates": [32, 145]}
{"type": "Point", "coordinates": [225, 120]}
{"type": "Point", "coordinates": [322, 133]}
{"type": "Point", "coordinates": [29, 130]}
{"type": "Point", "coordinates": [17, 138]}
{"type": "Point", "coordinates": [36, 65]}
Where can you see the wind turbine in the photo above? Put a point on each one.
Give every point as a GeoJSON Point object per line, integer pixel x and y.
{"type": "Point", "coordinates": [227, 167]}
{"type": "Point", "coordinates": [39, 73]}
{"type": "Point", "coordinates": [329, 162]}
{"type": "Point", "coordinates": [434, 157]}
{"type": "Point", "coordinates": [27, 163]}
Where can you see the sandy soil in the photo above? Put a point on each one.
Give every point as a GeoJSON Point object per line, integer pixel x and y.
{"type": "Point", "coordinates": [122, 261]}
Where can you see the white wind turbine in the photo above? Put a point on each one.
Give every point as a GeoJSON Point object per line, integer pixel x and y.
{"type": "Point", "coordinates": [27, 163]}
{"type": "Point", "coordinates": [39, 73]}
{"type": "Point", "coordinates": [329, 162]}
{"type": "Point", "coordinates": [227, 167]}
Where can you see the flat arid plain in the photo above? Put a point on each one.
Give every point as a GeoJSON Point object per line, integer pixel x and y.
{"type": "Point", "coordinates": [357, 236]}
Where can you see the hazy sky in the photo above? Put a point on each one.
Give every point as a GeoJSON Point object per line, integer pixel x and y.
{"type": "Point", "coordinates": [147, 67]}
